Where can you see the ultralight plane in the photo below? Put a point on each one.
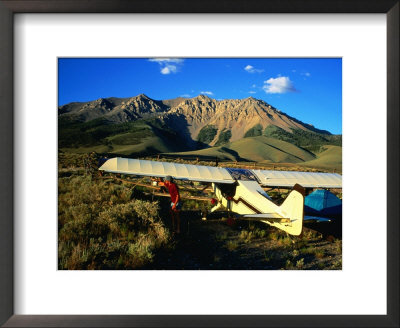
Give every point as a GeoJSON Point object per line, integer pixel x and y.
{"type": "Point", "coordinates": [239, 190]}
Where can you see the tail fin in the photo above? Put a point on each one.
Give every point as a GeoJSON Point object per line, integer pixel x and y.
{"type": "Point", "coordinates": [293, 208]}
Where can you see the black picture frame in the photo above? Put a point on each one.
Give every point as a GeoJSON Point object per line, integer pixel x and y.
{"type": "Point", "coordinates": [10, 7]}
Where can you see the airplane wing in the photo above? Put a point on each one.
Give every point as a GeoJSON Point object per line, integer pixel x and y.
{"type": "Point", "coordinates": [162, 169]}
{"type": "Point", "coordinates": [306, 179]}
{"type": "Point", "coordinates": [221, 175]}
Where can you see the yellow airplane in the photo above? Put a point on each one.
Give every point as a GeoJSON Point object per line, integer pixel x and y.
{"type": "Point", "coordinates": [239, 190]}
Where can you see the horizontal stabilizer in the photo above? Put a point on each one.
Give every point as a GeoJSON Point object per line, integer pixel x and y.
{"type": "Point", "coordinates": [271, 217]}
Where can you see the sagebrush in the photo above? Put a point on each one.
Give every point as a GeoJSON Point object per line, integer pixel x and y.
{"type": "Point", "coordinates": [101, 226]}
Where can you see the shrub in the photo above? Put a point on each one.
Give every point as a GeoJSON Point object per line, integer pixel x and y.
{"type": "Point", "coordinates": [231, 245]}
{"type": "Point", "coordinates": [101, 227]}
{"type": "Point", "coordinates": [338, 245]}
{"type": "Point", "coordinates": [300, 263]}
{"type": "Point", "coordinates": [337, 265]}
{"type": "Point", "coordinates": [288, 265]}
{"type": "Point", "coordinates": [286, 241]}
{"type": "Point", "coordinates": [320, 253]}
{"type": "Point", "coordinates": [274, 235]}
{"type": "Point", "coordinates": [267, 256]}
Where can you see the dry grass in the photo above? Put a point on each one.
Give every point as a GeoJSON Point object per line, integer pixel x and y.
{"type": "Point", "coordinates": [232, 245]}
{"type": "Point", "coordinates": [100, 226]}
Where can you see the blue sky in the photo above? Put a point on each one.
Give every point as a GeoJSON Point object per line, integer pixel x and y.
{"type": "Point", "coordinates": [309, 89]}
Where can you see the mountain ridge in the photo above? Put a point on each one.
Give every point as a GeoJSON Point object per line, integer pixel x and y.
{"type": "Point", "coordinates": [189, 115]}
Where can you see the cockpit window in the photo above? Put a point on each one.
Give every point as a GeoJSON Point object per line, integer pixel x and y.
{"type": "Point", "coordinates": [242, 174]}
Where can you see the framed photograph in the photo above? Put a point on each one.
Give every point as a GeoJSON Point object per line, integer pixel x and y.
{"type": "Point", "coordinates": [67, 66]}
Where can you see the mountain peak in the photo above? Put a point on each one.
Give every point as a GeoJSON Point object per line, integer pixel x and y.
{"type": "Point", "coordinates": [143, 96]}
{"type": "Point", "coordinates": [203, 96]}
{"type": "Point", "coordinates": [99, 102]}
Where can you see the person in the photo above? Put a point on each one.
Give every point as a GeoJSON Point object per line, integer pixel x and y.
{"type": "Point", "coordinates": [176, 204]}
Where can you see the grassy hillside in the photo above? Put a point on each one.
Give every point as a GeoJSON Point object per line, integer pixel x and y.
{"type": "Point", "coordinates": [262, 148]}
{"type": "Point", "coordinates": [223, 153]}
{"type": "Point", "coordinates": [258, 149]}
{"type": "Point", "coordinates": [132, 139]}
{"type": "Point", "coordinates": [329, 158]}
{"type": "Point", "coordinates": [308, 140]}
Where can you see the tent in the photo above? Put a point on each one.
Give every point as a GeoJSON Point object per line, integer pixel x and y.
{"type": "Point", "coordinates": [323, 203]}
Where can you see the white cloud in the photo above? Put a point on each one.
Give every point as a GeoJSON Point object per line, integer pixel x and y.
{"type": "Point", "coordinates": [307, 74]}
{"type": "Point", "coordinates": [168, 65]}
{"type": "Point", "coordinates": [252, 92]}
{"type": "Point", "coordinates": [281, 84]}
{"type": "Point", "coordinates": [251, 69]}
{"type": "Point", "coordinates": [186, 95]}
{"type": "Point", "coordinates": [169, 69]}
{"type": "Point", "coordinates": [207, 93]}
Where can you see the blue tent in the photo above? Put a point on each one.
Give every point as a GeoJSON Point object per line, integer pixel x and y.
{"type": "Point", "coordinates": [323, 203]}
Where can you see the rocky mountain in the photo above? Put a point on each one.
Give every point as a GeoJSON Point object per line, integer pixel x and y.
{"type": "Point", "coordinates": [237, 116]}
{"type": "Point", "coordinates": [229, 119]}
{"type": "Point", "coordinates": [116, 110]}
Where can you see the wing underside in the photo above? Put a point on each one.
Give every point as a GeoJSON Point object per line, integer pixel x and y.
{"type": "Point", "coordinates": [162, 169]}
{"type": "Point", "coordinates": [287, 179]}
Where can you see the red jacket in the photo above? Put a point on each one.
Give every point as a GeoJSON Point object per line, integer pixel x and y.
{"type": "Point", "coordinates": [174, 192]}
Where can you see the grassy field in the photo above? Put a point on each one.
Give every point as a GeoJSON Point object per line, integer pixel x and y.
{"type": "Point", "coordinates": [107, 224]}
{"type": "Point", "coordinates": [256, 149]}
{"type": "Point", "coordinates": [270, 151]}
{"type": "Point", "coordinates": [330, 158]}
